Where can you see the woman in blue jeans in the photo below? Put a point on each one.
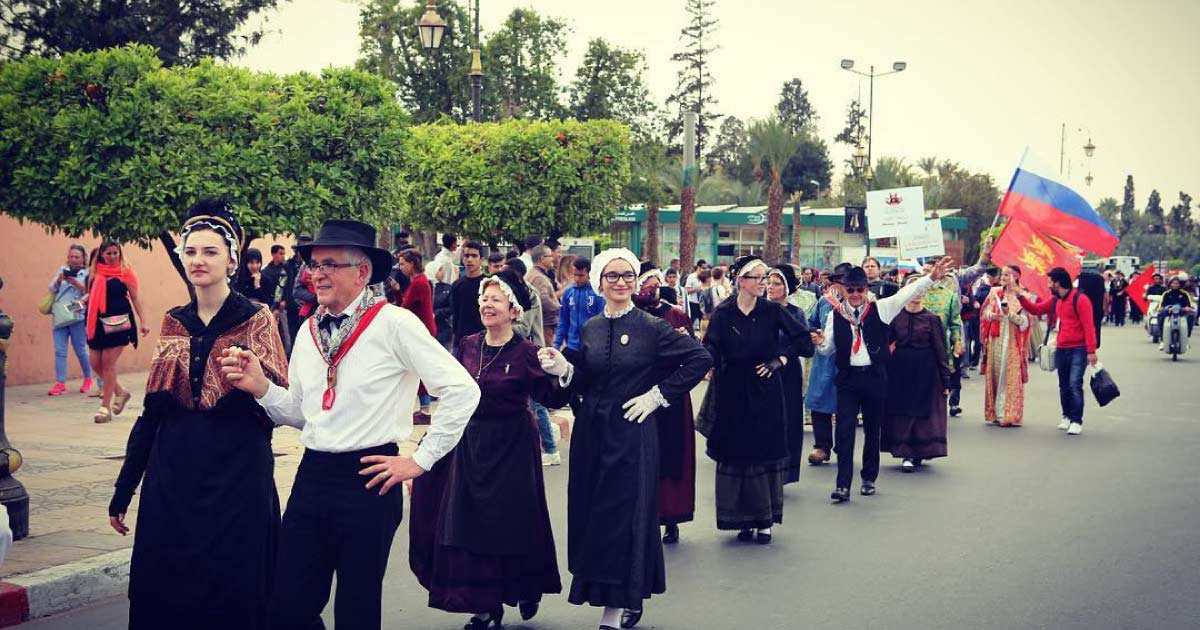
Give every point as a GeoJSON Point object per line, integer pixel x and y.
{"type": "Point", "coordinates": [68, 286]}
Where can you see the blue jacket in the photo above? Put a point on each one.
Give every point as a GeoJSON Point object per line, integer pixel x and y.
{"type": "Point", "coordinates": [578, 306]}
{"type": "Point", "coordinates": [822, 392]}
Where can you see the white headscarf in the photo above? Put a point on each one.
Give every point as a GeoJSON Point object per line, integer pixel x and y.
{"type": "Point", "coordinates": [607, 256]}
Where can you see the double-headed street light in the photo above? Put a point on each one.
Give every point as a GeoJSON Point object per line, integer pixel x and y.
{"type": "Point", "coordinates": [848, 65]}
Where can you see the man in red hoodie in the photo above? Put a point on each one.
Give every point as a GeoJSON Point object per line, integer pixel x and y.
{"type": "Point", "coordinates": [1076, 342]}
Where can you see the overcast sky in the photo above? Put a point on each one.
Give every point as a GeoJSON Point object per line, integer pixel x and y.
{"type": "Point", "coordinates": [985, 79]}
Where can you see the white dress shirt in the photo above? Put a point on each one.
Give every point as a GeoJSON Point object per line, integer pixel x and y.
{"type": "Point", "coordinates": [888, 309]}
{"type": "Point", "coordinates": [377, 381]}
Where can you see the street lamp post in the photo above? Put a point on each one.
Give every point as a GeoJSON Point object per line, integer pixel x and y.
{"type": "Point", "coordinates": [848, 65]}
{"type": "Point", "coordinates": [1088, 150]}
{"type": "Point", "coordinates": [432, 27]}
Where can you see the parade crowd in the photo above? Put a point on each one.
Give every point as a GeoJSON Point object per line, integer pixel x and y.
{"type": "Point", "coordinates": [353, 345]}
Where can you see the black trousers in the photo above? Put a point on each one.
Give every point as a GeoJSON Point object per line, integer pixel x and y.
{"type": "Point", "coordinates": [333, 524]}
{"type": "Point", "coordinates": [822, 424]}
{"type": "Point", "coordinates": [955, 385]}
{"type": "Point", "coordinates": [860, 389]}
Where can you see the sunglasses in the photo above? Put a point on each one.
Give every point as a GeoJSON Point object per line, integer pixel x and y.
{"type": "Point", "coordinates": [855, 289]}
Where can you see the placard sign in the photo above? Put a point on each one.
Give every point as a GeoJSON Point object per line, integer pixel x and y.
{"type": "Point", "coordinates": [926, 243]}
{"type": "Point", "coordinates": [896, 212]}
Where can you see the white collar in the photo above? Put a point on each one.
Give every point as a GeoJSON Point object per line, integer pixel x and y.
{"type": "Point", "coordinates": [349, 310]}
{"type": "Point", "coordinates": [621, 313]}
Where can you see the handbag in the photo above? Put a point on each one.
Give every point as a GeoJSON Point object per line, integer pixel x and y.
{"type": "Point", "coordinates": [47, 303]}
{"type": "Point", "coordinates": [66, 313]}
{"type": "Point", "coordinates": [1104, 388]}
{"type": "Point", "coordinates": [1046, 353]}
{"type": "Point", "coordinates": [116, 323]}
{"type": "Point", "coordinates": [706, 419]}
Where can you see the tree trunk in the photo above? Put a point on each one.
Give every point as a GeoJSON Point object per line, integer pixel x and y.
{"type": "Point", "coordinates": [651, 249]}
{"type": "Point", "coordinates": [773, 251]}
{"type": "Point", "coordinates": [687, 229]}
{"type": "Point", "coordinates": [796, 233]}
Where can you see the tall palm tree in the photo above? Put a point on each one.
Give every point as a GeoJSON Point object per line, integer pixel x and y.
{"type": "Point", "coordinates": [773, 143]}
{"type": "Point", "coordinates": [929, 166]}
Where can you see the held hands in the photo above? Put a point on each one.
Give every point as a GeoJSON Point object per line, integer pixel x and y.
{"type": "Point", "coordinates": [818, 337]}
{"type": "Point", "coordinates": [638, 408]}
{"type": "Point", "coordinates": [244, 371]}
{"type": "Point", "coordinates": [768, 369]}
{"type": "Point", "coordinates": [552, 361]}
{"type": "Point", "coordinates": [389, 471]}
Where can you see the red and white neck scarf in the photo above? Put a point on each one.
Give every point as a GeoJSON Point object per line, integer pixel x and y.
{"type": "Point", "coordinates": [856, 321]}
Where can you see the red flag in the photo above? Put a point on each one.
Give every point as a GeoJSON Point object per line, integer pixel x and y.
{"type": "Point", "coordinates": [1035, 253]}
{"type": "Point", "coordinates": [1137, 288]}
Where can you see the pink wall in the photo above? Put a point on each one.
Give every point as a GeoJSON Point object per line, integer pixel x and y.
{"type": "Point", "coordinates": [29, 258]}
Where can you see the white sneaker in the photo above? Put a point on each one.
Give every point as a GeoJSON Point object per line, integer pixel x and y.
{"type": "Point", "coordinates": [1064, 425]}
{"type": "Point", "coordinates": [1075, 429]}
{"type": "Point", "coordinates": [555, 432]}
{"type": "Point", "coordinates": [551, 459]}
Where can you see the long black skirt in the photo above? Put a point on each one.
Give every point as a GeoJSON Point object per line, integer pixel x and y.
{"type": "Point", "coordinates": [208, 521]}
{"type": "Point", "coordinates": [479, 529]}
{"type": "Point", "coordinates": [750, 496]}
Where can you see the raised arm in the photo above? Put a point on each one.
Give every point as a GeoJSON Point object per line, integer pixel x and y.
{"type": "Point", "coordinates": [890, 307]}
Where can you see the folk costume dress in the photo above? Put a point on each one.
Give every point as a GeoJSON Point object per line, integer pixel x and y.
{"type": "Point", "coordinates": [614, 551]}
{"type": "Point", "coordinates": [749, 437]}
{"type": "Point", "coordinates": [1005, 368]}
{"type": "Point", "coordinates": [914, 424]}
{"type": "Point", "coordinates": [480, 530]}
{"type": "Point", "coordinates": [793, 394]}
{"type": "Point", "coordinates": [676, 440]}
{"type": "Point", "coordinates": [204, 545]}
{"type": "Point", "coordinates": [821, 396]}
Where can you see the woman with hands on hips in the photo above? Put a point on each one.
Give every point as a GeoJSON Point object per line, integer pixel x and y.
{"type": "Point", "coordinates": [630, 364]}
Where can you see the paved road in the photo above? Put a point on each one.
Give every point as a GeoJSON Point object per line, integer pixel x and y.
{"type": "Point", "coordinates": [1018, 528]}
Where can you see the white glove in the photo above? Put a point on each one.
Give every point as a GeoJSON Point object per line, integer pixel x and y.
{"type": "Point", "coordinates": [552, 362]}
{"type": "Point", "coordinates": [638, 408]}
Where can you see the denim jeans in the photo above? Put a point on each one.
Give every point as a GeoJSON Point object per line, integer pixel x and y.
{"type": "Point", "coordinates": [1070, 364]}
{"type": "Point", "coordinates": [543, 419]}
{"type": "Point", "coordinates": [77, 334]}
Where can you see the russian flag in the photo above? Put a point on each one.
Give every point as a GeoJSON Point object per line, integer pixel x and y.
{"type": "Point", "coordinates": [1056, 210]}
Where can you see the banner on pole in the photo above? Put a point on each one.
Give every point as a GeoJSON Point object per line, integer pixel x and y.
{"type": "Point", "coordinates": [896, 212]}
{"type": "Point", "coordinates": [856, 220]}
{"type": "Point", "coordinates": [926, 243]}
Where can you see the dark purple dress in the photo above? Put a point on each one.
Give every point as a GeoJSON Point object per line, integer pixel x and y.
{"type": "Point", "coordinates": [480, 530]}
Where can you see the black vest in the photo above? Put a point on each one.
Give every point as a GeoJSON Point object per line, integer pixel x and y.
{"type": "Point", "coordinates": [876, 336]}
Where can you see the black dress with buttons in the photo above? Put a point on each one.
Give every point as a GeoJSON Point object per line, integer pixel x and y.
{"type": "Point", "coordinates": [207, 521]}
{"type": "Point", "coordinates": [614, 551]}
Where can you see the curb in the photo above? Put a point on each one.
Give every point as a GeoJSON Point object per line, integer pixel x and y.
{"type": "Point", "coordinates": [62, 588]}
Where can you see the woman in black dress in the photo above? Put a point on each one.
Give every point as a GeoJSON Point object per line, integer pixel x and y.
{"type": "Point", "coordinates": [749, 437]}
{"type": "Point", "coordinates": [480, 530]}
{"type": "Point", "coordinates": [249, 280]}
{"type": "Point", "coordinates": [113, 300]}
{"type": "Point", "coordinates": [630, 363]}
{"type": "Point", "coordinates": [208, 516]}
{"type": "Point", "coordinates": [782, 283]}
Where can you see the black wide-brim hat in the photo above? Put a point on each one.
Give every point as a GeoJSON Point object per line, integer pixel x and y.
{"type": "Point", "coordinates": [349, 233]}
{"type": "Point", "coordinates": [855, 277]}
{"type": "Point", "coordinates": [839, 271]}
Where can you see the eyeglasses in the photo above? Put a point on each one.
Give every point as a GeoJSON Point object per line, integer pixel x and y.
{"type": "Point", "coordinates": [628, 277]}
{"type": "Point", "coordinates": [855, 289]}
{"type": "Point", "coordinates": [329, 267]}
{"type": "Point", "coordinates": [755, 278]}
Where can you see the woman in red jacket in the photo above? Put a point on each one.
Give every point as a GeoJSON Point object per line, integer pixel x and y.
{"type": "Point", "coordinates": [418, 298]}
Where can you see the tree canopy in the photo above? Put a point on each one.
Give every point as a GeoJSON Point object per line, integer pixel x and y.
{"type": "Point", "coordinates": [505, 180]}
{"type": "Point", "coordinates": [183, 32]}
{"type": "Point", "coordinates": [521, 67]}
{"type": "Point", "coordinates": [609, 84]}
{"type": "Point", "coordinates": [111, 143]}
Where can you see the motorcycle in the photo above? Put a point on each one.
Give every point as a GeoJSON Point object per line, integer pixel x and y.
{"type": "Point", "coordinates": [1175, 338]}
{"type": "Point", "coordinates": [1152, 325]}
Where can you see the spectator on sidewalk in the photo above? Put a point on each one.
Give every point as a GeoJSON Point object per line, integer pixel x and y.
{"type": "Point", "coordinates": [580, 303]}
{"type": "Point", "coordinates": [464, 293]}
{"type": "Point", "coordinates": [67, 317]}
{"type": "Point", "coordinates": [293, 272]}
{"type": "Point", "coordinates": [541, 278]}
{"type": "Point", "coordinates": [275, 284]}
{"type": "Point", "coordinates": [1076, 342]}
{"type": "Point", "coordinates": [495, 263]}
{"type": "Point", "coordinates": [418, 299]}
{"type": "Point", "coordinates": [448, 258]}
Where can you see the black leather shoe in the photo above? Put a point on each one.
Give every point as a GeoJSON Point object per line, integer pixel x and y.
{"type": "Point", "coordinates": [630, 618]}
{"type": "Point", "coordinates": [495, 620]}
{"type": "Point", "coordinates": [868, 488]}
{"type": "Point", "coordinates": [763, 539]}
{"type": "Point", "coordinates": [528, 609]}
{"type": "Point", "coordinates": [955, 412]}
{"type": "Point", "coordinates": [671, 536]}
{"type": "Point", "coordinates": [840, 495]}
{"type": "Point", "coordinates": [745, 535]}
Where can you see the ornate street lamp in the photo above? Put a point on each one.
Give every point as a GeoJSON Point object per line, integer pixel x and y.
{"type": "Point", "coordinates": [1089, 148]}
{"type": "Point", "coordinates": [860, 159]}
{"type": "Point", "coordinates": [1088, 180]}
{"type": "Point", "coordinates": [432, 27]}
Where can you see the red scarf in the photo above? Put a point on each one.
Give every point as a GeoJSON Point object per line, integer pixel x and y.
{"type": "Point", "coordinates": [98, 296]}
{"type": "Point", "coordinates": [331, 363]}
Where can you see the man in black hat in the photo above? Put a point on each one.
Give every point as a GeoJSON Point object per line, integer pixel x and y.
{"type": "Point", "coordinates": [857, 335]}
{"type": "Point", "coordinates": [357, 363]}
